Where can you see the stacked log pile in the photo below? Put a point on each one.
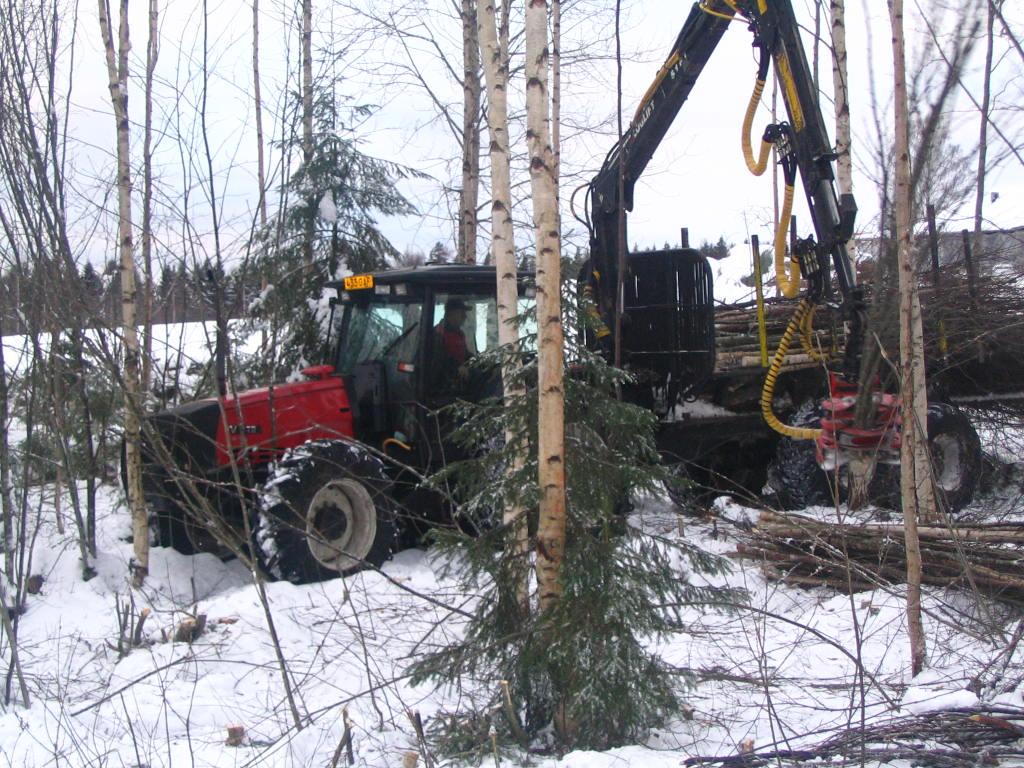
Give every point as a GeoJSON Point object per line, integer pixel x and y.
{"type": "Point", "coordinates": [738, 345]}
{"type": "Point", "coordinates": [807, 552]}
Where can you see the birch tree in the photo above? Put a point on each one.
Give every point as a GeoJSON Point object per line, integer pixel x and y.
{"type": "Point", "coordinates": [862, 465]}
{"type": "Point", "coordinates": [469, 194]}
{"type": "Point", "coordinates": [916, 481]}
{"type": "Point", "coordinates": [556, 96]}
{"type": "Point", "coordinates": [117, 74]}
{"type": "Point", "coordinates": [840, 85]}
{"type": "Point", "coordinates": [551, 416]}
{"type": "Point", "coordinates": [152, 52]}
{"type": "Point", "coordinates": [494, 47]}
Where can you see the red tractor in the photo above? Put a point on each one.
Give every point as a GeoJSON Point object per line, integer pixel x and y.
{"type": "Point", "coordinates": [401, 340]}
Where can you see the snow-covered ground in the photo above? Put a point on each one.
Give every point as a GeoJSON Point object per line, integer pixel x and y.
{"type": "Point", "coordinates": [783, 672]}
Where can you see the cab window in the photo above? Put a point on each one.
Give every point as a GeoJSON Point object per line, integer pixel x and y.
{"type": "Point", "coordinates": [380, 331]}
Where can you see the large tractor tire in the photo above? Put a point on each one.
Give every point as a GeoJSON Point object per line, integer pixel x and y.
{"type": "Point", "coordinates": [794, 474]}
{"type": "Point", "coordinates": [174, 524]}
{"type": "Point", "coordinates": [325, 512]}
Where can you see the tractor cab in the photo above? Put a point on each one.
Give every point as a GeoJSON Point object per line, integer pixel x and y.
{"type": "Point", "coordinates": [404, 343]}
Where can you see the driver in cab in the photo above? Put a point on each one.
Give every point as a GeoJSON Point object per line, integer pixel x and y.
{"type": "Point", "coordinates": [451, 349]}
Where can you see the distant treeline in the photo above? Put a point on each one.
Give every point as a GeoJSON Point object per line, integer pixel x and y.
{"type": "Point", "coordinates": [179, 295]}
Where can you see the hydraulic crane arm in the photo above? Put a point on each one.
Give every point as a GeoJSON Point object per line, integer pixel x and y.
{"type": "Point", "coordinates": [802, 143]}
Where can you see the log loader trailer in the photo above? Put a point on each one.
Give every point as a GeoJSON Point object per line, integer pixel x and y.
{"type": "Point", "coordinates": [344, 442]}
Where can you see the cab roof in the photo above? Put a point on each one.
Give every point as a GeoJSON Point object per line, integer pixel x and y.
{"type": "Point", "coordinates": [437, 275]}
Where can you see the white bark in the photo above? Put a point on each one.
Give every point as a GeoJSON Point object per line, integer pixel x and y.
{"type": "Point", "coordinates": [494, 47]}
{"type": "Point", "coordinates": [551, 415]}
{"type": "Point", "coordinates": [469, 195]}
{"type": "Point", "coordinates": [916, 480]}
{"type": "Point", "coordinates": [117, 74]}
{"type": "Point", "coordinates": [840, 84]}
{"type": "Point", "coordinates": [152, 53]}
{"type": "Point", "coordinates": [556, 95]}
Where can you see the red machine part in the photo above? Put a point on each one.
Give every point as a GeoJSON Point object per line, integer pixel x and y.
{"type": "Point", "coordinates": [263, 423]}
{"type": "Point", "coordinates": [840, 438]}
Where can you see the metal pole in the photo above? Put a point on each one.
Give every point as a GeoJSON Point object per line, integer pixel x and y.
{"type": "Point", "coordinates": [933, 244]}
{"type": "Point", "coordinates": [969, 262]}
{"type": "Point", "coordinates": [762, 326]}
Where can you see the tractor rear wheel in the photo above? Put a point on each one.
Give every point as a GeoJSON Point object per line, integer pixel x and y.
{"type": "Point", "coordinates": [325, 512]}
{"type": "Point", "coordinates": [168, 528]}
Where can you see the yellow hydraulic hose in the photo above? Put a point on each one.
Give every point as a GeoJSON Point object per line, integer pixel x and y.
{"type": "Point", "coordinates": [395, 441]}
{"type": "Point", "coordinates": [807, 338]}
{"type": "Point", "coordinates": [762, 325]}
{"type": "Point", "coordinates": [712, 12]}
{"type": "Point", "coordinates": [758, 166]}
{"type": "Point", "coordinates": [787, 280]}
{"type": "Point", "coordinates": [768, 390]}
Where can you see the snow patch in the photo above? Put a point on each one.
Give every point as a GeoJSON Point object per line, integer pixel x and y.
{"type": "Point", "coordinates": [327, 210]}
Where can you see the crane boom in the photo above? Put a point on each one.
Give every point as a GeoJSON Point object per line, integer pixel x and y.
{"type": "Point", "coordinates": [802, 143]}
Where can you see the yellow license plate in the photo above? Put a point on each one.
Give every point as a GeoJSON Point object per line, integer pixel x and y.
{"type": "Point", "coordinates": [358, 282]}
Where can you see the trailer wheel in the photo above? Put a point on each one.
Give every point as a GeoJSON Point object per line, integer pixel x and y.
{"type": "Point", "coordinates": [956, 458]}
{"type": "Point", "coordinates": [956, 454]}
{"type": "Point", "coordinates": [325, 512]}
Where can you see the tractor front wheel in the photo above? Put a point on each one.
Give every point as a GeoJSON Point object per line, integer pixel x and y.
{"type": "Point", "coordinates": [325, 512]}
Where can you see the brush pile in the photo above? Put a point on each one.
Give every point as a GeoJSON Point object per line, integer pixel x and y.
{"type": "Point", "coordinates": [973, 326]}
{"type": "Point", "coordinates": [974, 332]}
{"type": "Point", "coordinates": [965, 738]}
{"type": "Point", "coordinates": [803, 551]}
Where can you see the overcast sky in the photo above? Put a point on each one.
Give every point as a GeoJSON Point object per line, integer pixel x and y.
{"type": "Point", "coordinates": [697, 179]}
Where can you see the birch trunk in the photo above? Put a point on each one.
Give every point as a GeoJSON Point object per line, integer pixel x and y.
{"type": "Point", "coordinates": [916, 481]}
{"type": "Point", "coordinates": [152, 52]}
{"type": "Point", "coordinates": [494, 47]}
{"type": "Point", "coordinates": [469, 196]}
{"type": "Point", "coordinates": [307, 123]}
{"type": "Point", "coordinates": [261, 170]}
{"type": "Point", "coordinates": [117, 73]}
{"type": "Point", "coordinates": [556, 97]}
{"type": "Point", "coordinates": [551, 416]}
{"type": "Point", "coordinates": [840, 85]}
